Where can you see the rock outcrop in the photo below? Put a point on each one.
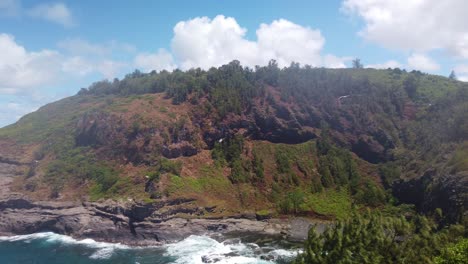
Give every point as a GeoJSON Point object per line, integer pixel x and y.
{"type": "Point", "coordinates": [134, 224]}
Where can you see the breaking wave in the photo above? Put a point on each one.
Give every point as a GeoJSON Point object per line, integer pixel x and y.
{"type": "Point", "coordinates": [49, 247]}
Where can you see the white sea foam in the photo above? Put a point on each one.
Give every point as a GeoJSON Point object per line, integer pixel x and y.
{"type": "Point", "coordinates": [286, 253]}
{"type": "Point", "coordinates": [104, 250]}
{"type": "Point", "coordinates": [193, 249]}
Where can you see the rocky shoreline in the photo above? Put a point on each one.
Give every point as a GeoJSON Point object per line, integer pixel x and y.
{"type": "Point", "coordinates": [134, 224]}
{"type": "Point", "coordinates": [130, 222]}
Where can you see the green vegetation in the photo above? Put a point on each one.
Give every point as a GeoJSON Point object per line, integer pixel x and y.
{"type": "Point", "coordinates": [77, 166]}
{"type": "Point", "coordinates": [357, 64]}
{"type": "Point", "coordinates": [331, 202]}
{"type": "Point", "coordinates": [454, 254]}
{"type": "Point", "coordinates": [257, 167]}
{"type": "Point", "coordinates": [459, 161]}
{"type": "Point", "coordinates": [51, 122]}
{"type": "Point", "coordinates": [292, 202]}
{"type": "Point", "coordinates": [389, 172]}
{"type": "Point", "coordinates": [228, 151]}
{"type": "Point", "coordinates": [212, 182]}
{"type": "Point", "coordinates": [373, 238]}
{"type": "Point", "coordinates": [405, 124]}
{"type": "Point", "coordinates": [338, 169]}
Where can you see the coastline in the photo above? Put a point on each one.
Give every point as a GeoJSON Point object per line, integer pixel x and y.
{"type": "Point", "coordinates": [131, 223]}
{"type": "Point", "coordinates": [136, 224]}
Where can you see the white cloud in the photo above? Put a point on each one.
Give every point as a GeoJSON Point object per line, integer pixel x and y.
{"type": "Point", "coordinates": [85, 57]}
{"type": "Point", "coordinates": [162, 60]}
{"type": "Point", "coordinates": [422, 62]}
{"type": "Point", "coordinates": [29, 77]}
{"type": "Point", "coordinates": [332, 61]}
{"type": "Point", "coordinates": [419, 25]}
{"type": "Point", "coordinates": [82, 47]}
{"type": "Point", "coordinates": [56, 12]}
{"type": "Point", "coordinates": [21, 70]}
{"type": "Point", "coordinates": [12, 111]}
{"type": "Point", "coordinates": [110, 68]}
{"type": "Point", "coordinates": [77, 46]}
{"type": "Point", "coordinates": [82, 66]}
{"type": "Point", "coordinates": [461, 71]}
{"type": "Point", "coordinates": [286, 42]}
{"type": "Point", "coordinates": [388, 64]}
{"type": "Point", "coordinates": [9, 8]}
{"type": "Point", "coordinates": [203, 42]}
{"type": "Point", "coordinates": [77, 65]}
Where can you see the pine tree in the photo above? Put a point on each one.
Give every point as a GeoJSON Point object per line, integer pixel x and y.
{"type": "Point", "coordinates": [374, 239]}
{"type": "Point", "coordinates": [357, 64]}
{"type": "Point", "coordinates": [452, 75]}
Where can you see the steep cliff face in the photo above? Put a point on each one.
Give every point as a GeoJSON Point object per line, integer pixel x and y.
{"type": "Point", "coordinates": [235, 140]}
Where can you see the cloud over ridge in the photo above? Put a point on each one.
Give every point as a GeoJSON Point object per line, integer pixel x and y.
{"type": "Point", "coordinates": [204, 42]}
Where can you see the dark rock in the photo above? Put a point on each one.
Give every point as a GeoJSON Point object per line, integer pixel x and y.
{"type": "Point", "coordinates": [180, 149]}
{"type": "Point", "coordinates": [267, 257]}
{"type": "Point", "coordinates": [263, 216]}
{"type": "Point", "coordinates": [129, 223]}
{"type": "Point", "coordinates": [369, 149]}
{"type": "Point", "coordinates": [249, 215]}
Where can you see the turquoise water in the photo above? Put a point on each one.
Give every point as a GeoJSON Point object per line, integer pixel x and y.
{"type": "Point", "coordinates": [50, 248]}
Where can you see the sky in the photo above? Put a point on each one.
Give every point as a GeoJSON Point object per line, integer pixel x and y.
{"type": "Point", "coordinates": [51, 49]}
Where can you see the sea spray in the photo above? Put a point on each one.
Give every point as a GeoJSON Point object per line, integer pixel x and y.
{"type": "Point", "coordinates": [53, 248]}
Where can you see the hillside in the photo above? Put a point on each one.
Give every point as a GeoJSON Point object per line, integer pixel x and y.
{"type": "Point", "coordinates": [298, 140]}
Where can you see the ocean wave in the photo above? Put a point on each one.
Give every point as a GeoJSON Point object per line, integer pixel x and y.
{"type": "Point", "coordinates": [104, 250]}
{"type": "Point", "coordinates": [192, 250]}
{"type": "Point", "coordinates": [203, 249]}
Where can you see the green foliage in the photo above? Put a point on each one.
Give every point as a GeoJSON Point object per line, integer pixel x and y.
{"type": "Point", "coordinates": [324, 144]}
{"type": "Point", "coordinates": [370, 194]}
{"type": "Point", "coordinates": [231, 87]}
{"type": "Point", "coordinates": [454, 254]}
{"type": "Point", "coordinates": [286, 157]}
{"type": "Point", "coordinates": [326, 176]}
{"type": "Point", "coordinates": [452, 75]}
{"type": "Point", "coordinates": [212, 182]}
{"type": "Point", "coordinates": [389, 173]}
{"type": "Point", "coordinates": [459, 161]}
{"type": "Point", "coordinates": [373, 238]}
{"type": "Point", "coordinates": [411, 86]}
{"type": "Point", "coordinates": [283, 163]}
{"type": "Point", "coordinates": [164, 166]}
{"type": "Point", "coordinates": [238, 172]}
{"type": "Point", "coordinates": [357, 64]}
{"type": "Point", "coordinates": [337, 168]}
{"type": "Point", "coordinates": [52, 122]}
{"type": "Point", "coordinates": [263, 213]}
{"type": "Point", "coordinates": [228, 149]}
{"type": "Point", "coordinates": [336, 165]}
{"type": "Point", "coordinates": [257, 165]}
{"type": "Point", "coordinates": [77, 166]}
{"type": "Point", "coordinates": [170, 166]}
{"type": "Point", "coordinates": [330, 202]}
{"type": "Point", "coordinates": [292, 202]}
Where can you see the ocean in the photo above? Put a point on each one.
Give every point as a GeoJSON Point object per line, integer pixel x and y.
{"type": "Point", "coordinates": [51, 248]}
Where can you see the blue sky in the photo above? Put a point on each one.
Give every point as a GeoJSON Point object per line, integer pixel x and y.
{"type": "Point", "coordinates": [50, 49]}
